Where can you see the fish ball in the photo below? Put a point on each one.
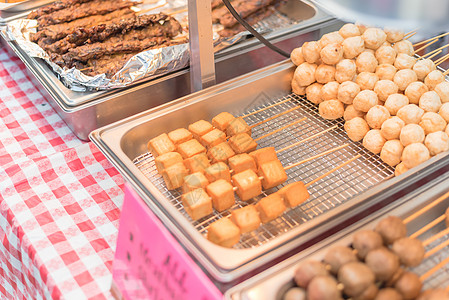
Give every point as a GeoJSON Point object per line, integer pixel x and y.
{"type": "Point", "coordinates": [432, 122]}
{"type": "Point", "coordinates": [414, 154]}
{"type": "Point", "coordinates": [351, 113]}
{"type": "Point", "coordinates": [395, 102]}
{"type": "Point", "coordinates": [367, 80]}
{"type": "Point", "coordinates": [391, 128]}
{"type": "Point", "coordinates": [311, 52]}
{"type": "Point", "coordinates": [329, 91]}
{"type": "Point", "coordinates": [400, 169]}
{"type": "Point", "coordinates": [368, 294]}
{"type": "Point", "coordinates": [433, 78]}
{"type": "Point", "coordinates": [296, 56]}
{"type": "Point", "coordinates": [295, 293]}
{"type": "Point", "coordinates": [355, 277]}
{"type": "Point", "coordinates": [356, 128]}
{"type": "Point", "coordinates": [366, 62]}
{"type": "Point", "coordinates": [365, 100]}
{"type": "Point", "coordinates": [409, 250]}
{"type": "Point", "coordinates": [362, 27]}
{"type": "Point", "coordinates": [382, 262]}
{"type": "Point", "coordinates": [391, 152]}
{"type": "Point", "coordinates": [404, 61]}
{"type": "Point", "coordinates": [437, 142]}
{"type": "Point", "coordinates": [347, 92]}
{"type": "Point", "coordinates": [306, 271]}
{"type": "Point", "coordinates": [394, 35]}
{"type": "Point", "coordinates": [325, 73]}
{"type": "Point", "coordinates": [331, 54]}
{"type": "Point", "coordinates": [442, 89]}
{"type": "Point", "coordinates": [338, 256]}
{"type": "Point", "coordinates": [385, 55]}
{"type": "Point", "coordinates": [404, 77]}
{"type": "Point", "coordinates": [297, 89]}
{"type": "Point", "coordinates": [444, 111]}
{"type": "Point", "coordinates": [345, 70]}
{"type": "Point", "coordinates": [366, 240]}
{"type": "Point", "coordinates": [374, 38]}
{"type": "Point", "coordinates": [410, 114]}
{"type": "Point", "coordinates": [376, 115]}
{"type": "Point", "coordinates": [391, 229]}
{"type": "Point", "coordinates": [323, 288]}
{"type": "Point", "coordinates": [388, 294]}
{"type": "Point", "coordinates": [313, 93]}
{"type": "Point", "coordinates": [447, 130]}
{"type": "Point", "coordinates": [331, 38]}
{"type": "Point", "coordinates": [430, 101]}
{"type": "Point", "coordinates": [331, 109]}
{"type": "Point", "coordinates": [305, 74]}
{"type": "Point", "coordinates": [423, 67]}
{"type": "Point", "coordinates": [415, 90]}
{"type": "Point", "coordinates": [374, 141]}
{"type": "Point", "coordinates": [385, 71]}
{"type": "Point", "coordinates": [404, 46]}
{"type": "Point", "coordinates": [408, 285]}
{"type": "Point", "coordinates": [349, 30]}
{"type": "Point", "coordinates": [412, 133]}
{"type": "Point", "coordinates": [353, 46]}
{"type": "Point", "coordinates": [385, 88]}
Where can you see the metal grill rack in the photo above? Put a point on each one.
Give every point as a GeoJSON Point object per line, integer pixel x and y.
{"type": "Point", "coordinates": [333, 190]}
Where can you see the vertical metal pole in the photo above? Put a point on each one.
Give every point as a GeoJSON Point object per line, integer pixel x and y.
{"type": "Point", "coordinates": [202, 64]}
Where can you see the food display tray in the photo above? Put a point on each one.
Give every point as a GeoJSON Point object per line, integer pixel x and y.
{"type": "Point", "coordinates": [274, 282]}
{"type": "Point", "coordinates": [348, 192]}
{"type": "Point", "coordinates": [8, 10]}
{"type": "Point", "coordinates": [86, 111]}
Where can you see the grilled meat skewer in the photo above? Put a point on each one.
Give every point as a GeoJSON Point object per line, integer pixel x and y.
{"type": "Point", "coordinates": [244, 8]}
{"type": "Point", "coordinates": [251, 19]}
{"type": "Point", "coordinates": [55, 6]}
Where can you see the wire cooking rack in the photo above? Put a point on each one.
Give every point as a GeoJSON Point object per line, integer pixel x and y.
{"type": "Point", "coordinates": [330, 192]}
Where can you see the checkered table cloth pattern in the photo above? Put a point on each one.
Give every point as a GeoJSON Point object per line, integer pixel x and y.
{"type": "Point", "coordinates": [60, 200]}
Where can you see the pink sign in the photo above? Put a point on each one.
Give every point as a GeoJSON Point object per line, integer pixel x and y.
{"type": "Point", "coordinates": [150, 264]}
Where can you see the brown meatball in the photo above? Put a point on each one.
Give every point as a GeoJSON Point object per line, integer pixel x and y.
{"type": "Point", "coordinates": [410, 251]}
{"type": "Point", "coordinates": [311, 52]}
{"type": "Point", "coordinates": [305, 74]}
{"type": "Point", "coordinates": [376, 115]}
{"type": "Point", "coordinates": [385, 88]}
{"type": "Point", "coordinates": [415, 154]}
{"type": "Point", "coordinates": [325, 73]}
{"type": "Point", "coordinates": [391, 229]}
{"type": "Point", "coordinates": [385, 55]}
{"type": "Point", "coordinates": [338, 256]}
{"type": "Point", "coordinates": [408, 285]}
{"type": "Point", "coordinates": [366, 62]}
{"type": "Point", "coordinates": [388, 294]}
{"type": "Point", "coordinates": [356, 128]}
{"type": "Point", "coordinates": [349, 89]}
{"type": "Point", "coordinates": [295, 293]}
{"type": "Point", "coordinates": [385, 71]}
{"type": "Point", "coordinates": [307, 271]}
{"type": "Point", "coordinates": [395, 278]}
{"type": "Point", "coordinates": [349, 30]}
{"type": "Point", "coordinates": [313, 93]}
{"type": "Point", "coordinates": [331, 54]}
{"type": "Point", "coordinates": [366, 240]}
{"type": "Point", "coordinates": [382, 262]}
{"type": "Point", "coordinates": [351, 113]}
{"type": "Point", "coordinates": [356, 277]}
{"type": "Point", "coordinates": [369, 293]}
{"type": "Point", "coordinates": [331, 109]}
{"type": "Point", "coordinates": [374, 38]}
{"type": "Point", "coordinates": [345, 70]}
{"type": "Point", "coordinates": [323, 288]}
{"type": "Point", "coordinates": [367, 80]}
{"type": "Point", "coordinates": [353, 46]}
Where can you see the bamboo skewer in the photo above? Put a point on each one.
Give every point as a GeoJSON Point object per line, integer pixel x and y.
{"type": "Point", "coordinates": [434, 269]}
{"type": "Point", "coordinates": [265, 108]}
{"type": "Point", "coordinates": [426, 208]}
{"type": "Point", "coordinates": [150, 9]}
{"type": "Point", "coordinates": [176, 12]}
{"type": "Point", "coordinates": [426, 45]}
{"type": "Point", "coordinates": [315, 156]}
{"type": "Point", "coordinates": [436, 249]}
{"type": "Point", "coordinates": [436, 50]}
{"type": "Point", "coordinates": [441, 59]}
{"type": "Point", "coordinates": [435, 54]}
{"type": "Point", "coordinates": [275, 116]}
{"type": "Point", "coordinates": [431, 39]}
{"type": "Point", "coordinates": [428, 226]}
{"type": "Point", "coordinates": [409, 35]}
{"type": "Point", "coordinates": [435, 237]}
{"type": "Point", "coordinates": [333, 170]}
{"type": "Point", "coordinates": [307, 139]}
{"type": "Point", "coordinates": [446, 72]}
{"type": "Point", "coordinates": [279, 129]}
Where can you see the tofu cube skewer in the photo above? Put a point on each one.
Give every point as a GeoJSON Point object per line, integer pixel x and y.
{"type": "Point", "coordinates": [197, 163]}
{"type": "Point", "coordinates": [246, 218]}
{"type": "Point", "coordinates": [224, 233]}
{"type": "Point", "coordinates": [194, 181]}
{"type": "Point", "coordinates": [166, 160]}
{"type": "Point", "coordinates": [200, 128]}
{"type": "Point", "coordinates": [222, 120]}
{"type": "Point", "coordinates": [197, 204]}
{"type": "Point", "coordinates": [160, 145]}
{"type": "Point", "coordinates": [180, 135]}
{"type": "Point", "coordinates": [222, 194]}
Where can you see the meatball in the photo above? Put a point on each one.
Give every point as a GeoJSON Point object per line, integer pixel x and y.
{"type": "Point", "coordinates": [365, 100]}
{"type": "Point", "coordinates": [385, 55]}
{"type": "Point", "coordinates": [391, 128]}
{"type": "Point", "coordinates": [400, 169]}
{"type": "Point", "coordinates": [351, 113]}
{"type": "Point", "coordinates": [430, 101]}
{"type": "Point", "coordinates": [423, 67]}
{"type": "Point", "coordinates": [311, 52]}
{"type": "Point", "coordinates": [297, 89]}
{"type": "Point", "coordinates": [313, 93]}
{"type": "Point", "coordinates": [382, 262]}
{"type": "Point", "coordinates": [386, 71]}
{"type": "Point", "coordinates": [376, 115]}
{"type": "Point", "coordinates": [404, 77]}
{"type": "Point", "coordinates": [391, 229]}
{"type": "Point", "coordinates": [437, 294]}
{"type": "Point", "coordinates": [442, 89]}
{"type": "Point", "coordinates": [415, 90]}
{"type": "Point", "coordinates": [409, 250]}
{"type": "Point", "coordinates": [356, 277]}
{"type": "Point", "coordinates": [329, 91]}
{"type": "Point", "coordinates": [307, 271]}
{"type": "Point", "coordinates": [412, 133]}
{"type": "Point", "coordinates": [374, 38]}
{"type": "Point", "coordinates": [393, 35]}
{"type": "Point", "coordinates": [331, 38]}
{"type": "Point", "coordinates": [391, 152]}
{"type": "Point", "coordinates": [444, 111]}
{"type": "Point", "coordinates": [374, 141]}
{"type": "Point", "coordinates": [367, 80]}
{"type": "Point", "coordinates": [353, 46]}
{"type": "Point", "coordinates": [447, 130]}
{"type": "Point", "coordinates": [325, 73]}
{"type": "Point", "coordinates": [305, 74]}
{"type": "Point", "coordinates": [395, 278]}
{"type": "Point", "coordinates": [345, 70]}
{"type": "Point", "coordinates": [356, 128]}
{"type": "Point", "coordinates": [385, 88]}
{"type": "Point", "coordinates": [437, 142]}
{"type": "Point", "coordinates": [339, 256]}
{"type": "Point", "coordinates": [331, 54]}
{"type": "Point", "coordinates": [362, 27]}
{"type": "Point", "coordinates": [395, 102]}
{"type": "Point", "coordinates": [404, 61]}
{"type": "Point", "coordinates": [388, 294]}
{"type": "Point", "coordinates": [349, 30]}
{"type": "Point", "coordinates": [369, 293]}
{"type": "Point", "coordinates": [295, 293]}
{"type": "Point", "coordinates": [366, 240]}
{"type": "Point", "coordinates": [410, 114]}
{"type": "Point", "coordinates": [432, 122]}
{"type": "Point", "coordinates": [415, 154]}
{"type": "Point", "coordinates": [347, 92]}
{"type": "Point", "coordinates": [366, 62]}
{"type": "Point", "coordinates": [323, 288]}
{"type": "Point", "coordinates": [404, 46]}
{"type": "Point", "coordinates": [296, 56]}
{"type": "Point", "coordinates": [408, 285]}
{"type": "Point", "coordinates": [433, 78]}
{"type": "Point", "coordinates": [331, 109]}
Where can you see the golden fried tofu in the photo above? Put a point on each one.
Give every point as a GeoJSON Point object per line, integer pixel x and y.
{"type": "Point", "coordinates": [197, 163]}
{"type": "Point", "coordinates": [222, 120]}
{"type": "Point", "coordinates": [160, 145]}
{"type": "Point", "coordinates": [221, 152]}
{"type": "Point", "coordinates": [213, 138]}
{"type": "Point", "coordinates": [241, 162]}
{"type": "Point", "coordinates": [222, 194]}
{"type": "Point", "coordinates": [217, 171]}
{"type": "Point", "coordinates": [174, 175]}
{"type": "Point", "coordinates": [263, 155]}
{"type": "Point", "coordinates": [197, 204]}
{"type": "Point", "coordinates": [242, 143]}
{"type": "Point", "coordinates": [200, 128]}
{"type": "Point", "coordinates": [166, 160]}
{"type": "Point", "coordinates": [270, 207]}
{"type": "Point", "coordinates": [248, 184]}
{"type": "Point", "coordinates": [236, 126]}
{"type": "Point", "coordinates": [224, 233]}
{"type": "Point", "coordinates": [180, 135]}
{"type": "Point", "coordinates": [246, 218]}
{"type": "Point", "coordinates": [273, 174]}
{"type": "Point", "coordinates": [194, 181]}
{"type": "Point", "coordinates": [190, 148]}
{"type": "Point", "coordinates": [294, 193]}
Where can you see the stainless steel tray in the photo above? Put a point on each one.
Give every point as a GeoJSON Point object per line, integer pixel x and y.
{"type": "Point", "coordinates": [274, 282]}
{"type": "Point", "coordinates": [85, 111]}
{"type": "Point", "coordinates": [345, 193]}
{"type": "Point", "coordinates": [8, 10]}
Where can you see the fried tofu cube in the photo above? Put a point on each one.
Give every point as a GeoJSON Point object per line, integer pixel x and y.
{"type": "Point", "coordinates": [294, 193]}
{"type": "Point", "coordinates": [217, 171]}
{"type": "Point", "coordinates": [194, 181]}
{"type": "Point", "coordinates": [224, 233]}
{"type": "Point", "coordinates": [160, 145]}
{"type": "Point", "coordinates": [190, 148]}
{"type": "Point", "coordinates": [200, 128]}
{"type": "Point", "coordinates": [222, 120]}
{"type": "Point", "coordinates": [246, 218]}
{"type": "Point", "coordinates": [242, 143]}
{"type": "Point", "coordinates": [197, 204]}
{"type": "Point", "coordinates": [197, 163]}
{"type": "Point", "coordinates": [236, 126]}
{"type": "Point", "coordinates": [263, 155]}
{"type": "Point", "coordinates": [213, 138]}
{"type": "Point", "coordinates": [166, 160]}
{"type": "Point", "coordinates": [222, 194]}
{"type": "Point", "coordinates": [273, 174]}
{"type": "Point", "coordinates": [174, 175]}
{"type": "Point", "coordinates": [270, 207]}
{"type": "Point", "coordinates": [248, 184]}
{"type": "Point", "coordinates": [242, 162]}
{"type": "Point", "coordinates": [180, 135]}
{"type": "Point", "coordinates": [221, 152]}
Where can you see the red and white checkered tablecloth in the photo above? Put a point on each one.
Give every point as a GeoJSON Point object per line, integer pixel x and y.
{"type": "Point", "coordinates": [60, 200]}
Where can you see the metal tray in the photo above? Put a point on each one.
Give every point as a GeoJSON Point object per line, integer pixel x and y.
{"type": "Point", "coordinates": [8, 10]}
{"type": "Point", "coordinates": [273, 283]}
{"type": "Point", "coordinates": [347, 192]}
{"type": "Point", "coordinates": [85, 111]}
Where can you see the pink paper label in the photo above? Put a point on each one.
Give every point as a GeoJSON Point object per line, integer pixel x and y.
{"type": "Point", "coordinates": [150, 264]}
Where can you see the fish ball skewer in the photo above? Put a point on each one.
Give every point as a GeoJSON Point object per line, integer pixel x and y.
{"type": "Point", "coordinates": [367, 80]}
{"type": "Point", "coordinates": [432, 122]}
{"type": "Point", "coordinates": [404, 61]}
{"type": "Point", "coordinates": [353, 46]}
{"type": "Point", "coordinates": [394, 35]}
{"type": "Point", "coordinates": [345, 70]}
{"type": "Point", "coordinates": [423, 67]}
{"type": "Point", "coordinates": [386, 71]}
{"type": "Point", "coordinates": [404, 77]}
{"type": "Point", "coordinates": [330, 38]}
{"type": "Point", "coordinates": [391, 152]}
{"type": "Point", "coordinates": [412, 133]}
{"type": "Point", "coordinates": [391, 128]}
{"type": "Point", "coordinates": [386, 55]}
{"type": "Point", "coordinates": [311, 52]}
{"type": "Point", "coordinates": [410, 114]}
{"type": "Point", "coordinates": [415, 90]}
{"type": "Point", "coordinates": [296, 56]}
{"type": "Point", "coordinates": [415, 154]}
{"type": "Point", "coordinates": [356, 129]}
{"type": "Point", "coordinates": [374, 141]}
{"type": "Point", "coordinates": [385, 88]}
{"type": "Point", "coordinates": [437, 142]}
{"type": "Point", "coordinates": [349, 30]}
{"type": "Point", "coordinates": [366, 240]}
{"type": "Point", "coordinates": [376, 116]}
{"type": "Point", "coordinates": [347, 92]}
{"type": "Point", "coordinates": [374, 38]}
{"type": "Point", "coordinates": [305, 74]}
{"type": "Point", "coordinates": [331, 54]}
{"type": "Point", "coordinates": [365, 100]}
{"type": "Point", "coordinates": [433, 78]}
{"type": "Point", "coordinates": [313, 93]}
{"type": "Point", "coordinates": [366, 62]}
{"type": "Point", "coordinates": [442, 89]}
{"type": "Point", "coordinates": [325, 73]}
{"type": "Point", "coordinates": [404, 46]}
{"type": "Point", "coordinates": [395, 102]}
{"type": "Point", "coordinates": [329, 91]}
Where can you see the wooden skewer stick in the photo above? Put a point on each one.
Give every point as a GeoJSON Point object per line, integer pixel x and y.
{"type": "Point", "coordinates": [426, 208]}
{"type": "Point", "coordinates": [86, 68]}
{"type": "Point", "coordinates": [315, 156]}
{"type": "Point", "coordinates": [428, 226]}
{"type": "Point", "coordinates": [436, 50]}
{"type": "Point", "coordinates": [177, 12]}
{"type": "Point", "coordinates": [434, 269]}
{"type": "Point", "coordinates": [435, 54]}
{"type": "Point", "coordinates": [446, 72]}
{"type": "Point", "coordinates": [409, 35]}
{"type": "Point", "coordinates": [307, 139]}
{"type": "Point", "coordinates": [435, 237]}
{"type": "Point", "coordinates": [268, 107]}
{"type": "Point", "coordinates": [150, 9]}
{"type": "Point", "coordinates": [333, 170]}
{"type": "Point", "coordinates": [441, 59]}
{"type": "Point", "coordinates": [426, 45]}
{"type": "Point", "coordinates": [275, 116]}
{"type": "Point", "coordinates": [431, 39]}
{"type": "Point", "coordinates": [436, 249]}
{"type": "Point", "coordinates": [279, 129]}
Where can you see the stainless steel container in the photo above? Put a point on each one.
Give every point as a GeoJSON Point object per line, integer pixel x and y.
{"type": "Point", "coordinates": [86, 111]}
{"type": "Point", "coordinates": [8, 10]}
{"type": "Point", "coordinates": [344, 194]}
